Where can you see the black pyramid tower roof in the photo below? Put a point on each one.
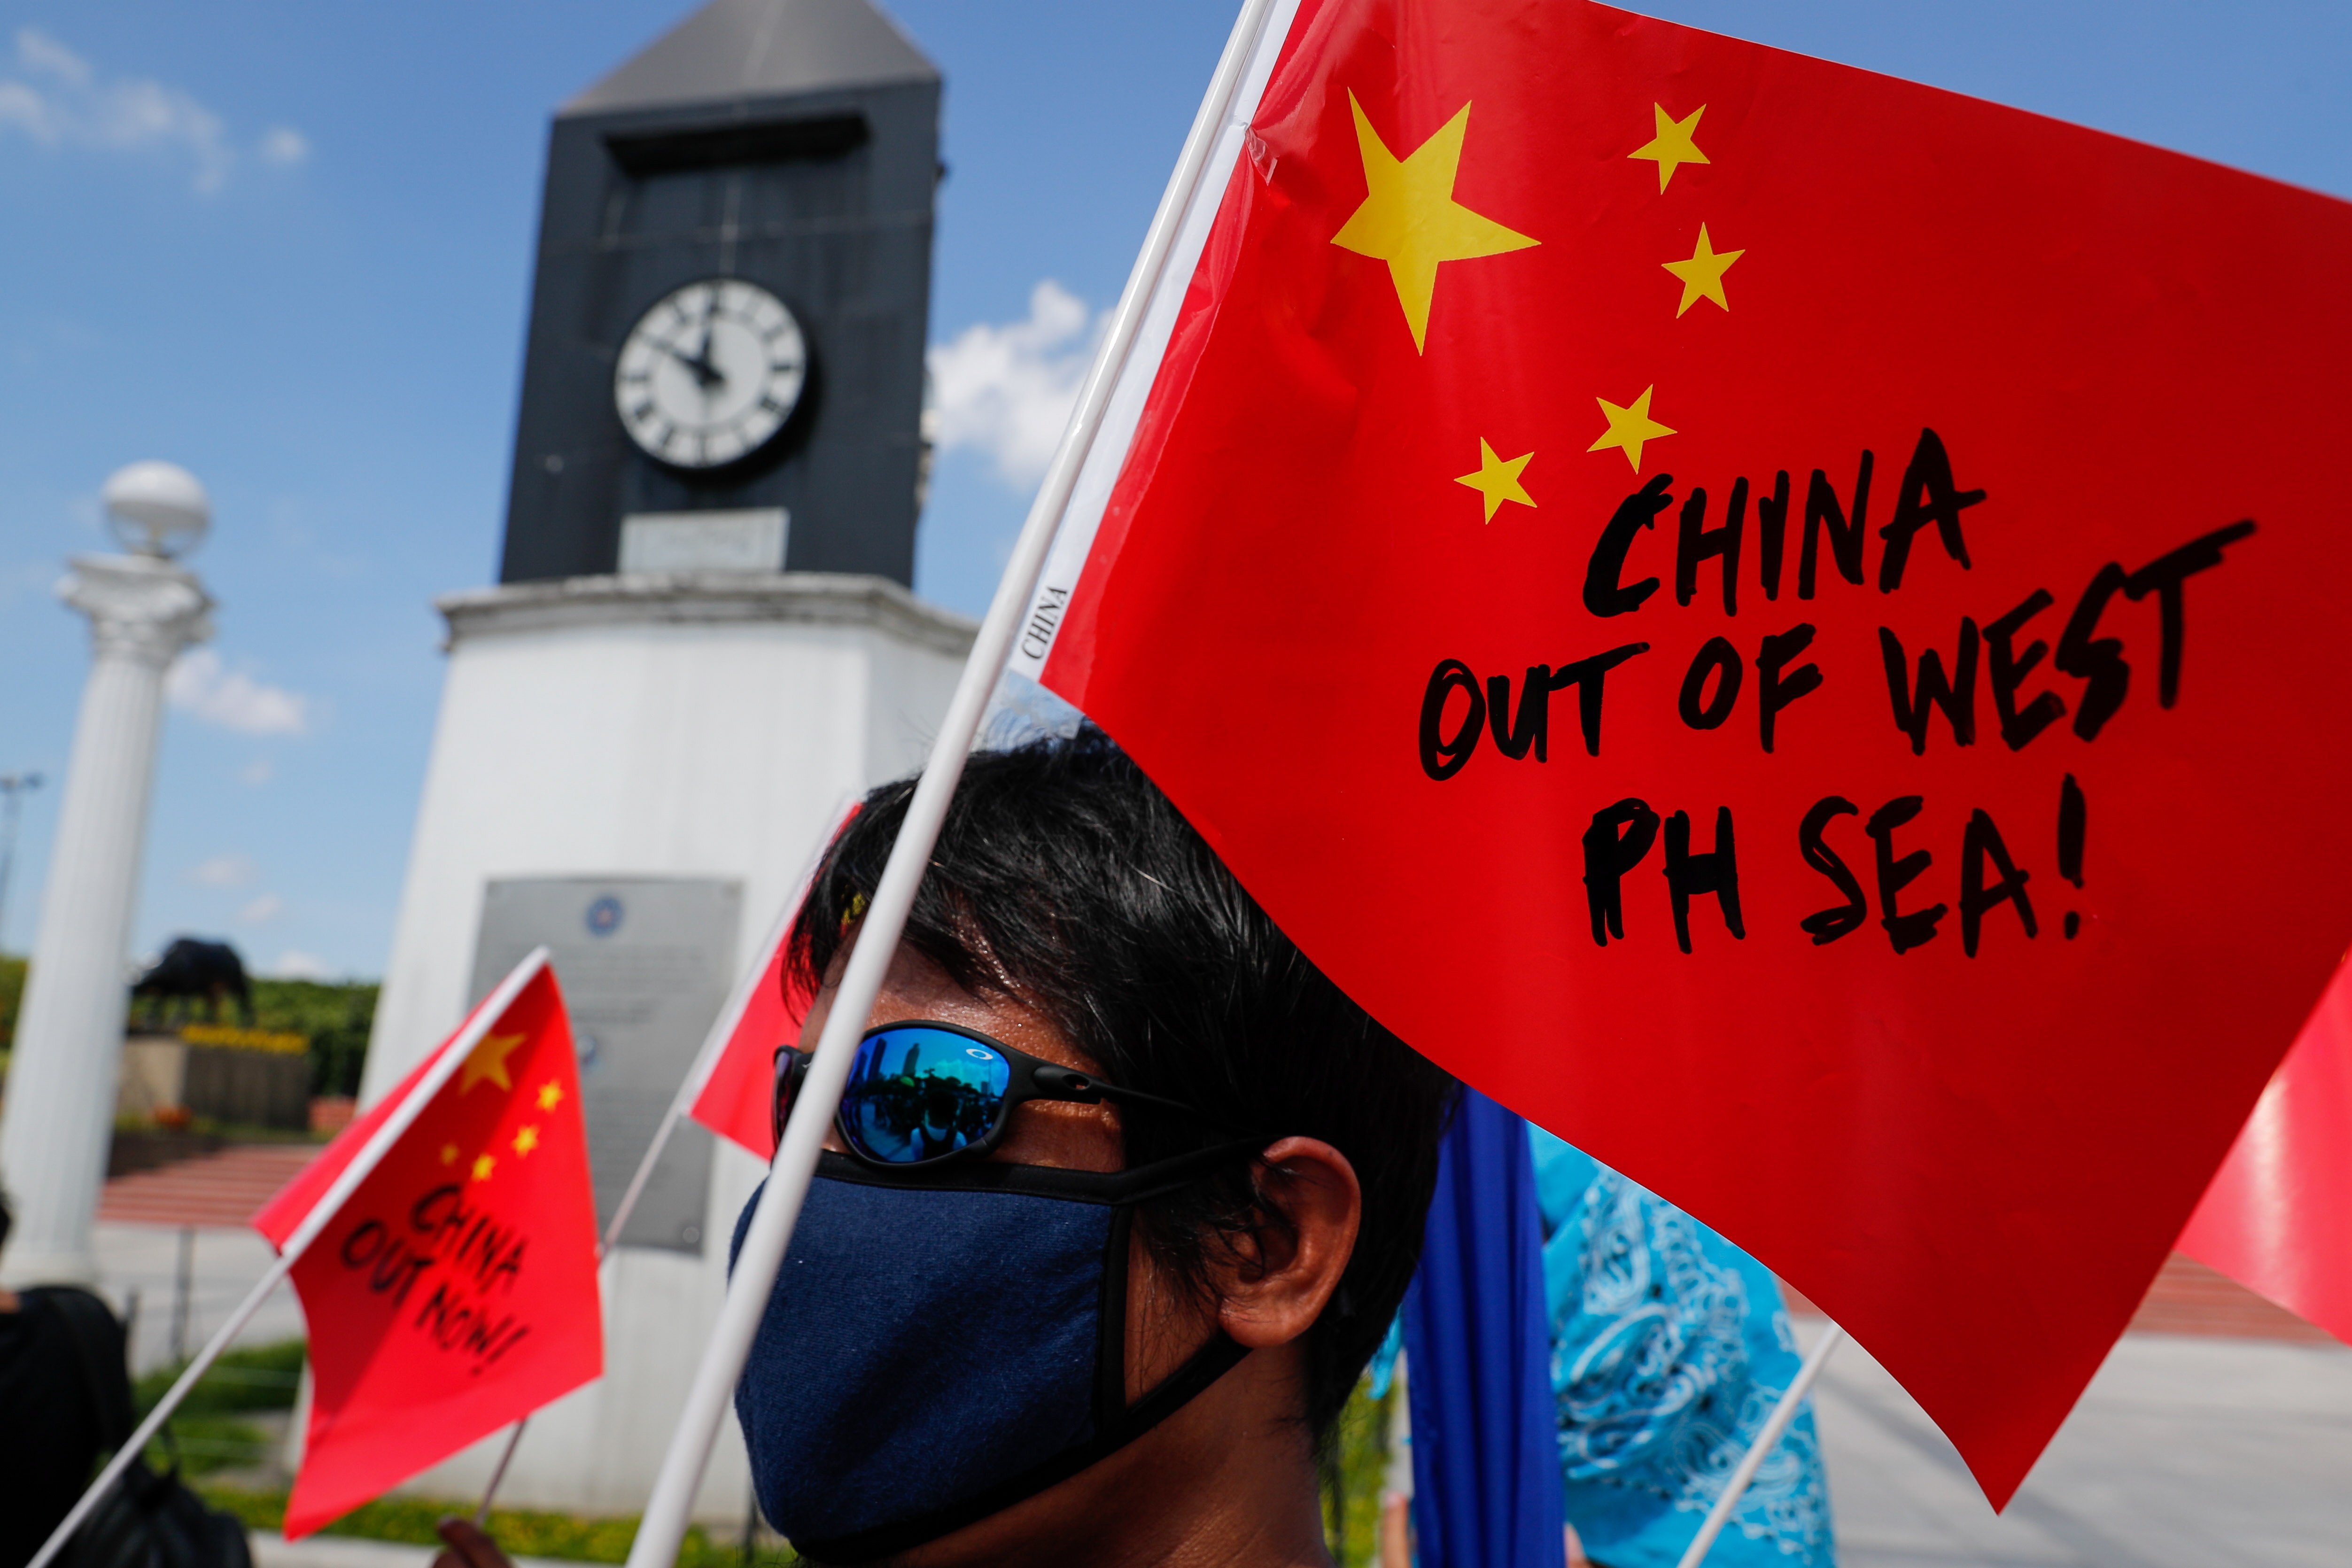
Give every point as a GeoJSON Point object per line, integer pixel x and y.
{"type": "Point", "coordinates": [761, 48]}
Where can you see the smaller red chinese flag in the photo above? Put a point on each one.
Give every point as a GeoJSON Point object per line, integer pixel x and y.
{"type": "Point", "coordinates": [455, 1292]}
{"type": "Point", "coordinates": [2278, 1217]}
{"type": "Point", "coordinates": [735, 1100]}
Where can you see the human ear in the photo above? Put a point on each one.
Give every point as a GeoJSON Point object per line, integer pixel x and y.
{"type": "Point", "coordinates": [1272, 1292]}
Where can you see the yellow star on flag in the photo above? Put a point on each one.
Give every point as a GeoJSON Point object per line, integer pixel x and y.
{"type": "Point", "coordinates": [1498, 479]}
{"type": "Point", "coordinates": [489, 1060]}
{"type": "Point", "coordinates": [526, 1140]}
{"type": "Point", "coordinates": [483, 1166]}
{"type": "Point", "coordinates": [449, 1153]}
{"type": "Point", "coordinates": [1410, 219]}
{"type": "Point", "coordinates": [1629, 427]}
{"type": "Point", "coordinates": [1672, 147]}
{"type": "Point", "coordinates": [1701, 275]}
{"type": "Point", "coordinates": [550, 1095]}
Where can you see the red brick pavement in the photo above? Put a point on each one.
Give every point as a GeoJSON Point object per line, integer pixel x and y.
{"type": "Point", "coordinates": [222, 1189]}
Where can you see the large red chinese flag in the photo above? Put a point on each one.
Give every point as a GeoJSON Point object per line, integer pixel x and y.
{"type": "Point", "coordinates": [454, 1290]}
{"type": "Point", "coordinates": [737, 1100]}
{"type": "Point", "coordinates": [2278, 1217]}
{"type": "Point", "coordinates": [1782, 623]}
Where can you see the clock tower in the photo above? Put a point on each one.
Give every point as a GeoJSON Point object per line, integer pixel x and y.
{"type": "Point", "coordinates": [703, 641]}
{"type": "Point", "coordinates": [725, 360]}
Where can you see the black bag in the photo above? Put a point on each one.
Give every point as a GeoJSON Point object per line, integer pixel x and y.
{"type": "Point", "coordinates": [145, 1520]}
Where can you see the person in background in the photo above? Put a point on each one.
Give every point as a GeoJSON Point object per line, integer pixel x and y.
{"type": "Point", "coordinates": [64, 1391]}
{"type": "Point", "coordinates": [1669, 1348]}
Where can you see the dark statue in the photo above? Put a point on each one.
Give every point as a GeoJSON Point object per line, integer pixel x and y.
{"type": "Point", "coordinates": [192, 970]}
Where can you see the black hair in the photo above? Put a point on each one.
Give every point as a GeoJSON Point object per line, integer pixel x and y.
{"type": "Point", "coordinates": [1065, 880]}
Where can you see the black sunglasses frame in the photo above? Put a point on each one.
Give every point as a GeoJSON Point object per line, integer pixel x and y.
{"type": "Point", "coordinates": [1032, 1078]}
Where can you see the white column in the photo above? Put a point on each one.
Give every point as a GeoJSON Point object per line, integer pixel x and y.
{"type": "Point", "coordinates": [60, 1107]}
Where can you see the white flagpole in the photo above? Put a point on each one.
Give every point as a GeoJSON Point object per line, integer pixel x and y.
{"type": "Point", "coordinates": [1758, 1451]}
{"type": "Point", "coordinates": [689, 1090]}
{"type": "Point", "coordinates": [771, 1230]}
{"type": "Point", "coordinates": [363, 1165]}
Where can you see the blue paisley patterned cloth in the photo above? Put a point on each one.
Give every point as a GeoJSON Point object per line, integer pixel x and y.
{"type": "Point", "coordinates": [1670, 1346]}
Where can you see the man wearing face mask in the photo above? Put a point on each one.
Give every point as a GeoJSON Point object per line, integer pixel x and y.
{"type": "Point", "coordinates": [1121, 1197]}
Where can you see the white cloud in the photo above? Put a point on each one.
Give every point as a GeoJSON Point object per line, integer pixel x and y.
{"type": "Point", "coordinates": [284, 146]}
{"type": "Point", "coordinates": [1007, 390]}
{"type": "Point", "coordinates": [201, 685]}
{"type": "Point", "coordinates": [256, 772]}
{"type": "Point", "coordinates": [295, 964]}
{"type": "Point", "coordinates": [59, 100]}
{"type": "Point", "coordinates": [261, 909]}
{"type": "Point", "coordinates": [41, 52]}
{"type": "Point", "coordinates": [224, 872]}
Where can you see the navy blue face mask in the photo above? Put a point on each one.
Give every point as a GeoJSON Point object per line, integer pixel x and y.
{"type": "Point", "coordinates": [943, 1343]}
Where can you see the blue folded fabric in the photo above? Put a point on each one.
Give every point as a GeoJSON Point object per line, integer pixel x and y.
{"type": "Point", "coordinates": [1670, 1347]}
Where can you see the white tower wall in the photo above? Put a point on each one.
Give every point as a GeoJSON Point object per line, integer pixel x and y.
{"type": "Point", "coordinates": [654, 725]}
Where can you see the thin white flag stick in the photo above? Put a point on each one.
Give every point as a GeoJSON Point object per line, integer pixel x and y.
{"type": "Point", "coordinates": [722, 1029]}
{"type": "Point", "coordinates": [1759, 1450]}
{"type": "Point", "coordinates": [514, 1441]}
{"type": "Point", "coordinates": [794, 1166]}
{"type": "Point", "coordinates": [363, 1165]}
{"type": "Point", "coordinates": [689, 1090]}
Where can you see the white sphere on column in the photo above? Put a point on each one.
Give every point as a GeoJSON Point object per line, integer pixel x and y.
{"type": "Point", "coordinates": [157, 509]}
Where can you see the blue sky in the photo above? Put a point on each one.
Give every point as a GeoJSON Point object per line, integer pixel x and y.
{"type": "Point", "coordinates": [287, 245]}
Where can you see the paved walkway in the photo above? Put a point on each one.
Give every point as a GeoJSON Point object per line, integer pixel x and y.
{"type": "Point", "coordinates": [273, 1551]}
{"type": "Point", "coordinates": [145, 1218]}
{"type": "Point", "coordinates": [2202, 1452]}
{"type": "Point", "coordinates": [146, 1259]}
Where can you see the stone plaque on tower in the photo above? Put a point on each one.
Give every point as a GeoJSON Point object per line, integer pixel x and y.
{"type": "Point", "coordinates": [725, 357]}
{"type": "Point", "coordinates": [644, 964]}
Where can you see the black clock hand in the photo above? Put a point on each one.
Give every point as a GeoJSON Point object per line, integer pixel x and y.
{"type": "Point", "coordinates": [706, 375]}
{"type": "Point", "coordinates": [706, 372]}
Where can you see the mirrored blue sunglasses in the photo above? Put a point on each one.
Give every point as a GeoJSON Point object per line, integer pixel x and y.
{"type": "Point", "coordinates": [922, 1092]}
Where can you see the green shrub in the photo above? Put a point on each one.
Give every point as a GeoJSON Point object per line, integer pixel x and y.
{"type": "Point", "coordinates": [337, 1018]}
{"type": "Point", "coordinates": [1352, 1469]}
{"type": "Point", "coordinates": [12, 994]}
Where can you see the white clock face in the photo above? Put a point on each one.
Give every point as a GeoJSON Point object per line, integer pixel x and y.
{"type": "Point", "coordinates": [710, 373]}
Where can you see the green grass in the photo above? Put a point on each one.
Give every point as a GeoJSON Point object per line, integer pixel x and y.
{"type": "Point", "coordinates": [210, 1430]}
{"type": "Point", "coordinates": [211, 1421]}
{"type": "Point", "coordinates": [214, 1434]}
{"type": "Point", "coordinates": [522, 1533]}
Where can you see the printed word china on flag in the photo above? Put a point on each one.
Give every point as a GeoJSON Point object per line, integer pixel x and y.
{"type": "Point", "coordinates": [1778, 621]}
{"type": "Point", "coordinates": [454, 1290]}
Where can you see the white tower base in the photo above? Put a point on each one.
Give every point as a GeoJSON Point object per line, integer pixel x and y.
{"type": "Point", "coordinates": [649, 725]}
